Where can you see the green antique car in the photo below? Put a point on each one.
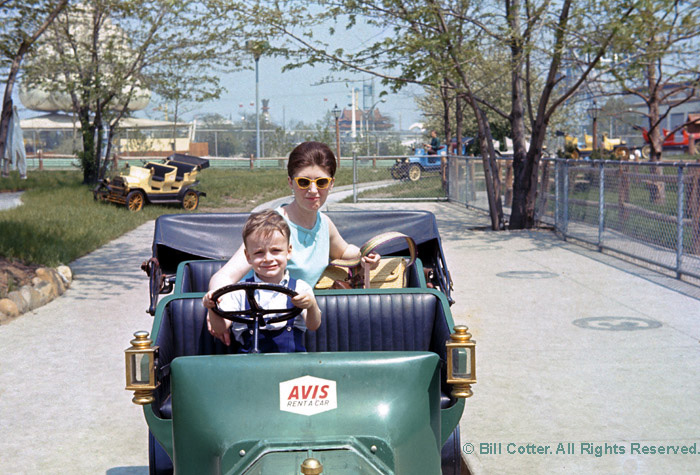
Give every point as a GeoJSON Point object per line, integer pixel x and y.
{"type": "Point", "coordinates": [380, 389]}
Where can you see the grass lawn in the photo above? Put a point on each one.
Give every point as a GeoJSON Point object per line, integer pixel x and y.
{"type": "Point", "coordinates": [60, 221]}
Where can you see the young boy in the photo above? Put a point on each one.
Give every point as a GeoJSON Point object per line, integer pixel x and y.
{"type": "Point", "coordinates": [267, 250]}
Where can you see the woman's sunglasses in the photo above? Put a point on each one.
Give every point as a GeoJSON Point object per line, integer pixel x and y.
{"type": "Point", "coordinates": [321, 183]}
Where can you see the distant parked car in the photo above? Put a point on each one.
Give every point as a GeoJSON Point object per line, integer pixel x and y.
{"type": "Point", "coordinates": [576, 149]}
{"type": "Point", "coordinates": [677, 141]}
{"type": "Point", "coordinates": [169, 181]}
{"type": "Point", "coordinates": [415, 166]}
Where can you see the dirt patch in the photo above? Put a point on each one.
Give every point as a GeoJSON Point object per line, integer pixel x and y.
{"type": "Point", "coordinates": [14, 274]}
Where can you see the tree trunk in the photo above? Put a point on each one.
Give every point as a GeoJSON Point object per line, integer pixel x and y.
{"type": "Point", "coordinates": [458, 125]}
{"type": "Point", "coordinates": [657, 188]}
{"type": "Point", "coordinates": [446, 122]}
{"type": "Point", "coordinates": [488, 155]}
{"type": "Point", "coordinates": [525, 171]}
{"type": "Point", "coordinates": [525, 162]}
{"type": "Point", "coordinates": [693, 200]}
{"type": "Point", "coordinates": [7, 103]}
{"type": "Point", "coordinates": [87, 156]}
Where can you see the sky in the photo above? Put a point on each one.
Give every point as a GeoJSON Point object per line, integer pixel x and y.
{"type": "Point", "coordinates": [296, 95]}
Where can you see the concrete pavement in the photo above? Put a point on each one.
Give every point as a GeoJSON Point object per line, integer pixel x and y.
{"type": "Point", "coordinates": [573, 347]}
{"type": "Point", "coordinates": [10, 200]}
{"type": "Point", "coordinates": [63, 407]}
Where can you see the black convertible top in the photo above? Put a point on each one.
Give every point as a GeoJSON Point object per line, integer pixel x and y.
{"type": "Point", "coordinates": [182, 237]}
{"type": "Point", "coordinates": [202, 163]}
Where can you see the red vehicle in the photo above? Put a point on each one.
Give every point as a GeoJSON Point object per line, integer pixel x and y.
{"type": "Point", "coordinates": [671, 142]}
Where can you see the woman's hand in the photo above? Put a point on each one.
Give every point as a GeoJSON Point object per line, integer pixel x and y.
{"type": "Point", "coordinates": [371, 260]}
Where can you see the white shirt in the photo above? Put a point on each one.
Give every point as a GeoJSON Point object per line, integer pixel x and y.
{"type": "Point", "coordinates": [235, 301]}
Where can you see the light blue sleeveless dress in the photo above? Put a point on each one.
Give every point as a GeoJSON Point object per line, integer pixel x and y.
{"type": "Point", "coordinates": [310, 249]}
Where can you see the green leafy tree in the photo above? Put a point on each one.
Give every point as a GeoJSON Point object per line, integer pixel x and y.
{"type": "Point", "coordinates": [657, 62]}
{"type": "Point", "coordinates": [104, 55]}
{"type": "Point", "coordinates": [552, 49]}
{"type": "Point", "coordinates": [22, 23]}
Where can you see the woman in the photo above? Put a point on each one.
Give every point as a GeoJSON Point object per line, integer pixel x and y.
{"type": "Point", "coordinates": [314, 238]}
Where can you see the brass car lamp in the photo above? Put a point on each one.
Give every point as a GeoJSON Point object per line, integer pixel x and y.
{"type": "Point", "coordinates": [461, 362]}
{"type": "Point", "coordinates": [140, 368]}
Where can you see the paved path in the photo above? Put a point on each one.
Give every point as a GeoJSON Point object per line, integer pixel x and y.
{"type": "Point", "coordinates": [562, 358]}
{"type": "Point", "coordinates": [573, 347]}
{"type": "Point", "coordinates": [63, 407]}
{"type": "Point", "coordinates": [10, 200]}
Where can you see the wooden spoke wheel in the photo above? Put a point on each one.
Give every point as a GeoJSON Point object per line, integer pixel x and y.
{"type": "Point", "coordinates": [190, 201]}
{"type": "Point", "coordinates": [414, 172]}
{"type": "Point", "coordinates": [135, 200]}
{"type": "Point", "coordinates": [622, 153]}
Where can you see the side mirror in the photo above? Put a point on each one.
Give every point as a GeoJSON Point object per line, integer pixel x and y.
{"type": "Point", "coordinates": [140, 368]}
{"type": "Point", "coordinates": [461, 362]}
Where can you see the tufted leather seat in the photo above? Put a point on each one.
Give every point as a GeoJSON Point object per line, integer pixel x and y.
{"type": "Point", "coordinates": [159, 171]}
{"type": "Point", "coordinates": [183, 332]}
{"type": "Point", "coordinates": [193, 276]}
{"type": "Point", "coordinates": [411, 320]}
{"type": "Point", "coordinates": [182, 169]}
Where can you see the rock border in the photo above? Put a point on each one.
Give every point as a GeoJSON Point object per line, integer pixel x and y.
{"type": "Point", "coordinates": [48, 284]}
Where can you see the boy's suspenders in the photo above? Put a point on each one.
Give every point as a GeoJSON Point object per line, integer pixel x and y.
{"type": "Point", "coordinates": [287, 339]}
{"type": "Point", "coordinates": [291, 285]}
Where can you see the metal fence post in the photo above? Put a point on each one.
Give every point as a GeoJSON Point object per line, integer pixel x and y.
{"type": "Point", "coordinates": [679, 236]}
{"type": "Point", "coordinates": [354, 177]}
{"type": "Point", "coordinates": [565, 199]}
{"type": "Point", "coordinates": [466, 182]}
{"type": "Point", "coordinates": [601, 204]}
{"type": "Point", "coordinates": [557, 185]}
{"type": "Point", "coordinates": [446, 168]}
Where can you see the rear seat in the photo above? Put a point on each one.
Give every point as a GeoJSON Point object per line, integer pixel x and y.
{"type": "Point", "coordinates": [182, 168]}
{"type": "Point", "coordinates": [193, 276]}
{"type": "Point", "coordinates": [401, 321]}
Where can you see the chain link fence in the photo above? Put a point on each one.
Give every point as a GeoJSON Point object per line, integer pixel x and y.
{"type": "Point", "coordinates": [649, 212]}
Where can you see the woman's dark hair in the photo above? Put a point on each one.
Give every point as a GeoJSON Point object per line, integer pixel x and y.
{"type": "Point", "coordinates": [308, 154]}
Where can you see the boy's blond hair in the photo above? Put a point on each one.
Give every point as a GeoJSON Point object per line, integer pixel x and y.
{"type": "Point", "coordinates": [265, 223]}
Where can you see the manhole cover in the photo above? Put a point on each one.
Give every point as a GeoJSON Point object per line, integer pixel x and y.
{"type": "Point", "coordinates": [617, 324]}
{"type": "Point", "coordinates": [527, 274]}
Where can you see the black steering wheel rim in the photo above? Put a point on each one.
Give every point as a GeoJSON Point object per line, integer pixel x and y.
{"type": "Point", "coordinates": [255, 314]}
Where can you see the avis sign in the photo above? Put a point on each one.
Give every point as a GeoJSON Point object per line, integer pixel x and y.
{"type": "Point", "coordinates": [308, 395]}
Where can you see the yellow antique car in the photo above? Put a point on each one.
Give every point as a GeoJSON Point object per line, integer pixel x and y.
{"type": "Point", "coordinates": [618, 147]}
{"type": "Point", "coordinates": [170, 181]}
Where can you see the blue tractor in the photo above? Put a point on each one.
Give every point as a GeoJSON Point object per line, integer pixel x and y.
{"type": "Point", "coordinates": [415, 166]}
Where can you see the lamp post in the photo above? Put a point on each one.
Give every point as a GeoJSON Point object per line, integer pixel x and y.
{"type": "Point", "coordinates": [593, 114]}
{"type": "Point", "coordinates": [257, 48]}
{"type": "Point", "coordinates": [336, 113]}
{"type": "Point", "coordinates": [367, 118]}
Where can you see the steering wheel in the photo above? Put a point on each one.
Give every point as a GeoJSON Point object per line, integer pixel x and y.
{"type": "Point", "coordinates": [255, 314]}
